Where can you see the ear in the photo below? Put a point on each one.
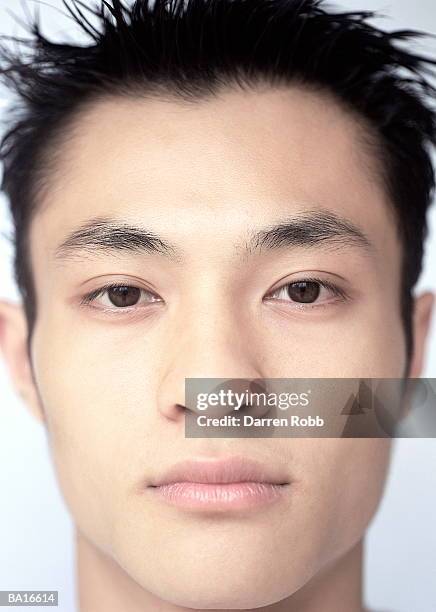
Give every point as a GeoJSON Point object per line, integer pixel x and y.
{"type": "Point", "coordinates": [421, 326]}
{"type": "Point", "coordinates": [13, 346]}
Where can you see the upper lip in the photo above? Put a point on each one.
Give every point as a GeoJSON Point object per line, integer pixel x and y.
{"type": "Point", "coordinates": [230, 469]}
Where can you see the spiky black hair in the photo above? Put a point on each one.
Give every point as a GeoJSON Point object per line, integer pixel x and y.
{"type": "Point", "coordinates": [191, 49]}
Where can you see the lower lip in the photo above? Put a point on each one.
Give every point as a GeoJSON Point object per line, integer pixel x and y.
{"type": "Point", "coordinates": [225, 496]}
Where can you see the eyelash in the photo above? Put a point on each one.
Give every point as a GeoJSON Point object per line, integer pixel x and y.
{"type": "Point", "coordinates": [334, 289]}
{"type": "Point", "coordinates": [91, 297]}
{"type": "Point", "coordinates": [339, 293]}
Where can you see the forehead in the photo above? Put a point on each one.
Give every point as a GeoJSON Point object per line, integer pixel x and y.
{"type": "Point", "coordinates": [238, 159]}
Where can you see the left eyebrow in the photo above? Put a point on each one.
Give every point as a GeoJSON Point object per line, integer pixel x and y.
{"type": "Point", "coordinates": [310, 229]}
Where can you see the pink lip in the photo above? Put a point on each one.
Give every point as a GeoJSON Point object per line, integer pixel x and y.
{"type": "Point", "coordinates": [232, 483]}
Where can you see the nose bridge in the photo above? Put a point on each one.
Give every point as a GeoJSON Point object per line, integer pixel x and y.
{"type": "Point", "coordinates": [214, 342]}
{"type": "Point", "coordinates": [211, 342]}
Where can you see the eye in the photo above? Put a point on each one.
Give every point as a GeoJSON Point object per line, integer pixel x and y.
{"type": "Point", "coordinates": [118, 296]}
{"type": "Point", "coordinates": [307, 292]}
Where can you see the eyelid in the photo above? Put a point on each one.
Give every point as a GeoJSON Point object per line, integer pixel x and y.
{"type": "Point", "coordinates": [100, 291]}
{"type": "Point", "coordinates": [337, 291]}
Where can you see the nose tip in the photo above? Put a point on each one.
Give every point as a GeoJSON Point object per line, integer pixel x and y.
{"type": "Point", "coordinates": [206, 367]}
{"type": "Point", "coordinates": [218, 397]}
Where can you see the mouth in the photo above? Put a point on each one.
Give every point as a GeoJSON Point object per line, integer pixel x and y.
{"type": "Point", "coordinates": [220, 485]}
{"type": "Point", "coordinates": [237, 495]}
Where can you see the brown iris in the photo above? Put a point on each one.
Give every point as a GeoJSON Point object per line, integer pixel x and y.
{"type": "Point", "coordinates": [124, 296]}
{"type": "Point", "coordinates": [303, 291]}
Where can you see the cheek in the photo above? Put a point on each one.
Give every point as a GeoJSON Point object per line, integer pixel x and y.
{"type": "Point", "coordinates": [97, 423]}
{"type": "Point", "coordinates": [366, 345]}
{"type": "Point", "coordinates": [343, 483]}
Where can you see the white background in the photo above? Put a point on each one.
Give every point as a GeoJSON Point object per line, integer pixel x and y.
{"type": "Point", "coordinates": [35, 529]}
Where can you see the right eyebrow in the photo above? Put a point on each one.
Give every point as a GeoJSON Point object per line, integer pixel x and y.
{"type": "Point", "coordinates": [109, 235]}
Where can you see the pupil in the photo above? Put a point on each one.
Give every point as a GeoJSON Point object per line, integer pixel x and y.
{"type": "Point", "coordinates": [304, 291]}
{"type": "Point", "coordinates": [123, 296]}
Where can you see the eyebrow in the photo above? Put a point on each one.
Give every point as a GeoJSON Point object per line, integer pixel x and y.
{"type": "Point", "coordinates": [106, 235]}
{"type": "Point", "coordinates": [308, 229]}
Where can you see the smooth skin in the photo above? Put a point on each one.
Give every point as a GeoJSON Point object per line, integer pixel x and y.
{"type": "Point", "coordinates": [109, 386]}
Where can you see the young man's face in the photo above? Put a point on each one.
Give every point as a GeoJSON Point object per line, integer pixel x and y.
{"type": "Point", "coordinates": [110, 381]}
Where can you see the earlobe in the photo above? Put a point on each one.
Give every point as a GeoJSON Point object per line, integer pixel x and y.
{"type": "Point", "coordinates": [13, 338]}
{"type": "Point", "coordinates": [422, 317]}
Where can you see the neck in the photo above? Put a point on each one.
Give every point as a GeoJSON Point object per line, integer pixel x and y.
{"type": "Point", "coordinates": [103, 586]}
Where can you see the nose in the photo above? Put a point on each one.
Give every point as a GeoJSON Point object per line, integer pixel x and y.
{"type": "Point", "coordinates": [209, 345]}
